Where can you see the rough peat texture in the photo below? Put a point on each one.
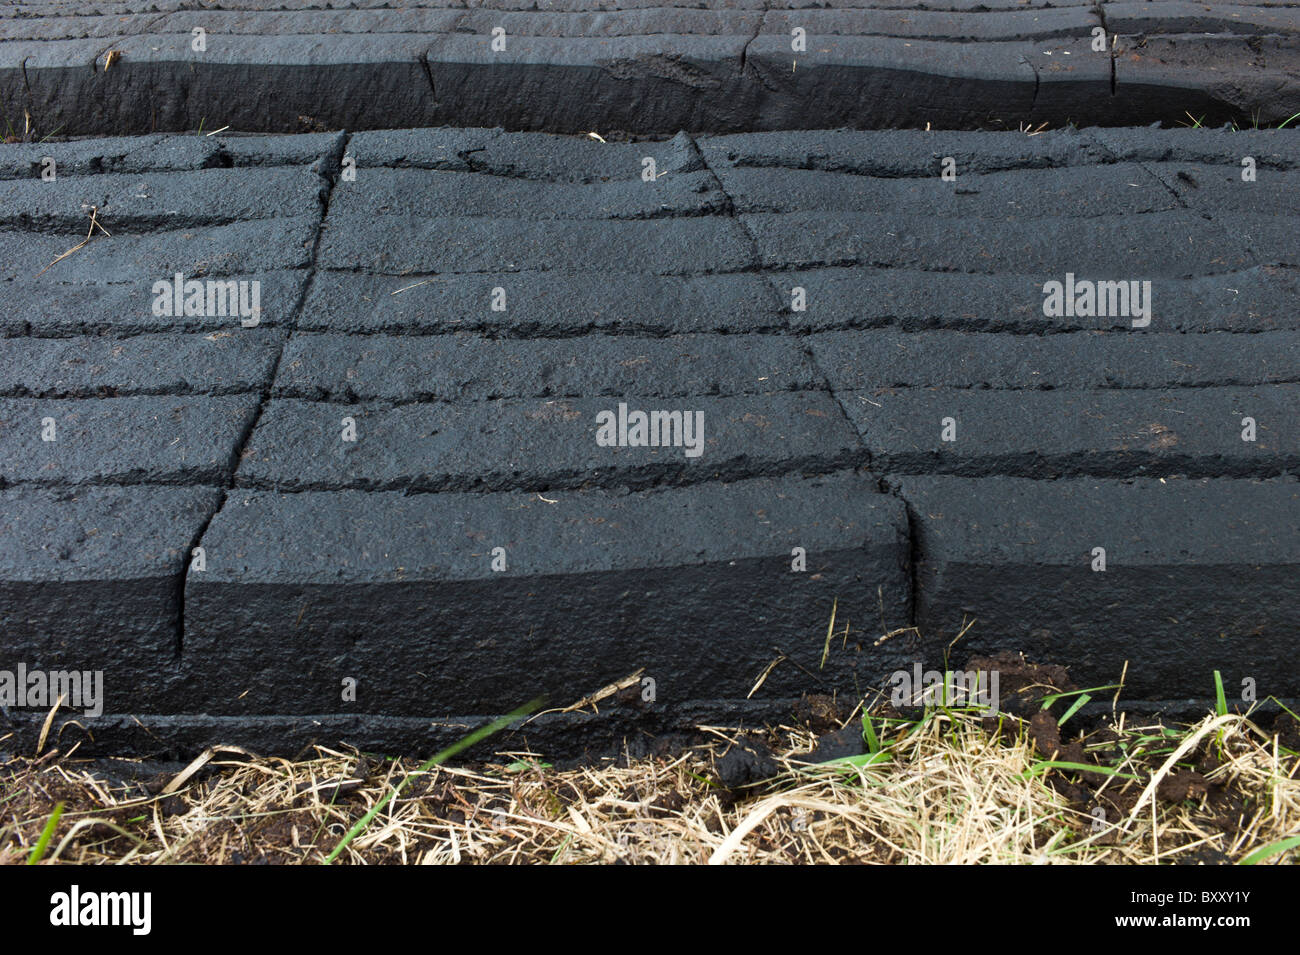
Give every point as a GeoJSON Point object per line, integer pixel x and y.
{"type": "Point", "coordinates": [468, 302]}
{"type": "Point", "coordinates": [649, 67]}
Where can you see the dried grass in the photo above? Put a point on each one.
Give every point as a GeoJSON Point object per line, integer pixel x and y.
{"type": "Point", "coordinates": [950, 792]}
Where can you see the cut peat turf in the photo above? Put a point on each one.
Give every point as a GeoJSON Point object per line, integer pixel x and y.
{"type": "Point", "coordinates": [821, 299]}
{"type": "Point", "coordinates": [931, 784]}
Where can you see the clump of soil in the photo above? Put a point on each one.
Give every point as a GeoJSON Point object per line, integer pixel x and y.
{"type": "Point", "coordinates": [1023, 685]}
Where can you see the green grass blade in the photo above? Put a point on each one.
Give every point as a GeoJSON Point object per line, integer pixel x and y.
{"type": "Point", "coordinates": [1294, 716]}
{"type": "Point", "coordinates": [854, 762]}
{"type": "Point", "coordinates": [43, 844]}
{"type": "Point", "coordinates": [1220, 698]}
{"type": "Point", "coordinates": [1074, 708]}
{"type": "Point", "coordinates": [1282, 125]}
{"type": "Point", "coordinates": [869, 734]}
{"type": "Point", "coordinates": [479, 734]}
{"type": "Point", "coordinates": [1039, 768]}
{"type": "Point", "coordinates": [1273, 848]}
{"type": "Point", "coordinates": [523, 765]}
{"type": "Point", "coordinates": [708, 782]}
{"type": "Point", "coordinates": [1054, 697]}
{"type": "Point", "coordinates": [560, 851]}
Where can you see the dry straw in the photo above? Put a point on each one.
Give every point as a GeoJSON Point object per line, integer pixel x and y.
{"type": "Point", "coordinates": [945, 790]}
